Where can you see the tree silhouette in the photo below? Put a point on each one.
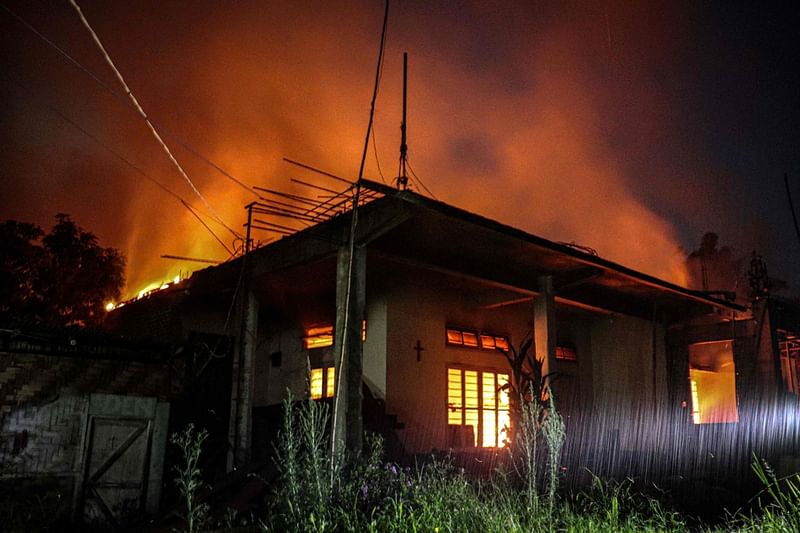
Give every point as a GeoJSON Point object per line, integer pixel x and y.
{"type": "Point", "coordinates": [62, 278]}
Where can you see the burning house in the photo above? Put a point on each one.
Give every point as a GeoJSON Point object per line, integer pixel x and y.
{"type": "Point", "coordinates": [653, 379]}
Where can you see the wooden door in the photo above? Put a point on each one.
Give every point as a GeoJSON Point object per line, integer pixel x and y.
{"type": "Point", "coordinates": [117, 465]}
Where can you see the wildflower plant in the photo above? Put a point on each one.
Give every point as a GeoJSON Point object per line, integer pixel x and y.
{"type": "Point", "coordinates": [188, 476]}
{"type": "Point", "coordinates": [554, 432]}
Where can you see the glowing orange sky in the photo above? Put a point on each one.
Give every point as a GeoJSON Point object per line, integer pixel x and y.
{"type": "Point", "coordinates": [564, 122]}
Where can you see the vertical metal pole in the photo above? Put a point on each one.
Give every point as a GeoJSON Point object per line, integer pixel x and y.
{"type": "Point", "coordinates": [242, 365]}
{"type": "Point", "coordinates": [402, 181]}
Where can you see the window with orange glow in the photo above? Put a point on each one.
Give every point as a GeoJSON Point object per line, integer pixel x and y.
{"type": "Point", "coordinates": [501, 343]}
{"type": "Point", "coordinates": [477, 408]}
{"type": "Point", "coordinates": [322, 383]}
{"type": "Point", "coordinates": [322, 336]}
{"type": "Point", "coordinates": [712, 381]}
{"type": "Point", "coordinates": [488, 342]}
{"type": "Point", "coordinates": [472, 339]}
{"type": "Point", "coordinates": [318, 337]}
{"type": "Point", "coordinates": [789, 348]}
{"type": "Point", "coordinates": [565, 353]}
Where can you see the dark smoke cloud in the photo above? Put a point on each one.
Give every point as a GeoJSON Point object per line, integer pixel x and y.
{"type": "Point", "coordinates": [577, 122]}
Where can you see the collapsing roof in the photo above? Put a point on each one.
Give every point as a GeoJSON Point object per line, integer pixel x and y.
{"type": "Point", "coordinates": [405, 227]}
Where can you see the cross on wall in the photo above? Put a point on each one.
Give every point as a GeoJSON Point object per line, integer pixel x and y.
{"type": "Point", "coordinates": [419, 349]}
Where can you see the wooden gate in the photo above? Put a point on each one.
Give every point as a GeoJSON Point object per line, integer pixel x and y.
{"type": "Point", "coordinates": [123, 453]}
{"type": "Point", "coordinates": [115, 487]}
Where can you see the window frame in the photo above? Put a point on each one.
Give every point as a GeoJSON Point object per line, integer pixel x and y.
{"type": "Point", "coordinates": [479, 336]}
{"type": "Point", "coordinates": [566, 349]}
{"type": "Point", "coordinates": [328, 382]}
{"type": "Point", "coordinates": [327, 326]}
{"type": "Point", "coordinates": [502, 434]}
{"type": "Point", "coordinates": [695, 371]}
{"type": "Point", "coordinates": [789, 360]}
{"type": "Point", "coordinates": [321, 338]}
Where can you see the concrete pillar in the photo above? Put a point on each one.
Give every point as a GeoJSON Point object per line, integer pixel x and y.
{"type": "Point", "coordinates": [348, 350]}
{"type": "Point", "coordinates": [544, 326]}
{"type": "Point", "coordinates": [242, 383]}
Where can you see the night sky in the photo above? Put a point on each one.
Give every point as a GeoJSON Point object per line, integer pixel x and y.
{"type": "Point", "coordinates": [629, 127]}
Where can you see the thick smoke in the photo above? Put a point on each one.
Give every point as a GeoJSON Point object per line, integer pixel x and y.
{"type": "Point", "coordinates": [541, 119]}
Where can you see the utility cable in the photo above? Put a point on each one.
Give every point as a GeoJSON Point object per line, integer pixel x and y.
{"type": "Point", "coordinates": [377, 161]}
{"type": "Point", "coordinates": [791, 204]}
{"type": "Point", "coordinates": [122, 158]}
{"type": "Point", "coordinates": [351, 245]}
{"type": "Point", "coordinates": [146, 118]}
{"type": "Point", "coordinates": [418, 180]}
{"type": "Point", "coordinates": [125, 101]}
{"type": "Point", "coordinates": [192, 211]}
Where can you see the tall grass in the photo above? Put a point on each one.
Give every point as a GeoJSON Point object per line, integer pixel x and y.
{"type": "Point", "coordinates": [371, 495]}
{"type": "Point", "coordinates": [777, 505]}
{"type": "Point", "coordinates": [554, 432]}
{"type": "Point", "coordinates": [525, 444]}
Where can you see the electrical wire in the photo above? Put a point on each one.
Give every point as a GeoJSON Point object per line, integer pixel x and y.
{"type": "Point", "coordinates": [419, 181]}
{"type": "Point", "coordinates": [121, 157]}
{"type": "Point", "coordinates": [146, 118]}
{"type": "Point", "coordinates": [191, 210]}
{"type": "Point", "coordinates": [351, 246]}
{"type": "Point", "coordinates": [377, 161]}
{"type": "Point", "coordinates": [377, 89]}
{"type": "Point", "coordinates": [122, 99]}
{"type": "Point", "coordinates": [791, 204]}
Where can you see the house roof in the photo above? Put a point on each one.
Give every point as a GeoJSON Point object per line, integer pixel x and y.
{"type": "Point", "coordinates": [408, 228]}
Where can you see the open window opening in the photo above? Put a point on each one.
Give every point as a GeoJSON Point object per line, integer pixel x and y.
{"type": "Point", "coordinates": [477, 409]}
{"type": "Point", "coordinates": [322, 383]}
{"type": "Point", "coordinates": [712, 380]}
{"type": "Point", "coordinates": [789, 349]}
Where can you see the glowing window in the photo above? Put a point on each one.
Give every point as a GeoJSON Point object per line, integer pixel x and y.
{"type": "Point", "coordinates": [322, 383]}
{"type": "Point", "coordinates": [318, 337]}
{"type": "Point", "coordinates": [789, 348]}
{"type": "Point", "coordinates": [712, 377]}
{"type": "Point", "coordinates": [454, 337]}
{"type": "Point", "coordinates": [566, 353]}
{"type": "Point", "coordinates": [322, 336]}
{"type": "Point", "coordinates": [501, 343]}
{"type": "Point", "coordinates": [472, 339]}
{"type": "Point", "coordinates": [488, 342]}
{"type": "Point", "coordinates": [477, 408]}
{"type": "Point", "coordinates": [459, 337]}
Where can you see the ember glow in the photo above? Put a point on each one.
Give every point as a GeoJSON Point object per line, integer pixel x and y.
{"type": "Point", "coordinates": [575, 123]}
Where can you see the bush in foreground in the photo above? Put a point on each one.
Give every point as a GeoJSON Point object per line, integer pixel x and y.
{"type": "Point", "coordinates": [316, 494]}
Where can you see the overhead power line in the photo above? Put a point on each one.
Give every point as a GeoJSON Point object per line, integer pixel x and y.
{"type": "Point", "coordinates": [419, 181]}
{"type": "Point", "coordinates": [123, 100]}
{"type": "Point", "coordinates": [791, 204]}
{"type": "Point", "coordinates": [351, 244]}
{"type": "Point", "coordinates": [122, 158]}
{"type": "Point", "coordinates": [147, 119]}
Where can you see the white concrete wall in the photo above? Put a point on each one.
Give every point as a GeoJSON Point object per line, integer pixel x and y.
{"type": "Point", "coordinates": [375, 345]}
{"type": "Point", "coordinates": [272, 382]}
{"type": "Point", "coordinates": [417, 390]}
{"type": "Point", "coordinates": [612, 378]}
{"type": "Point", "coordinates": [623, 367]}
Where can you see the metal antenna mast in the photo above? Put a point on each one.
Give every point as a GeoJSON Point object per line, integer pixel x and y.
{"type": "Point", "coordinates": [402, 179]}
